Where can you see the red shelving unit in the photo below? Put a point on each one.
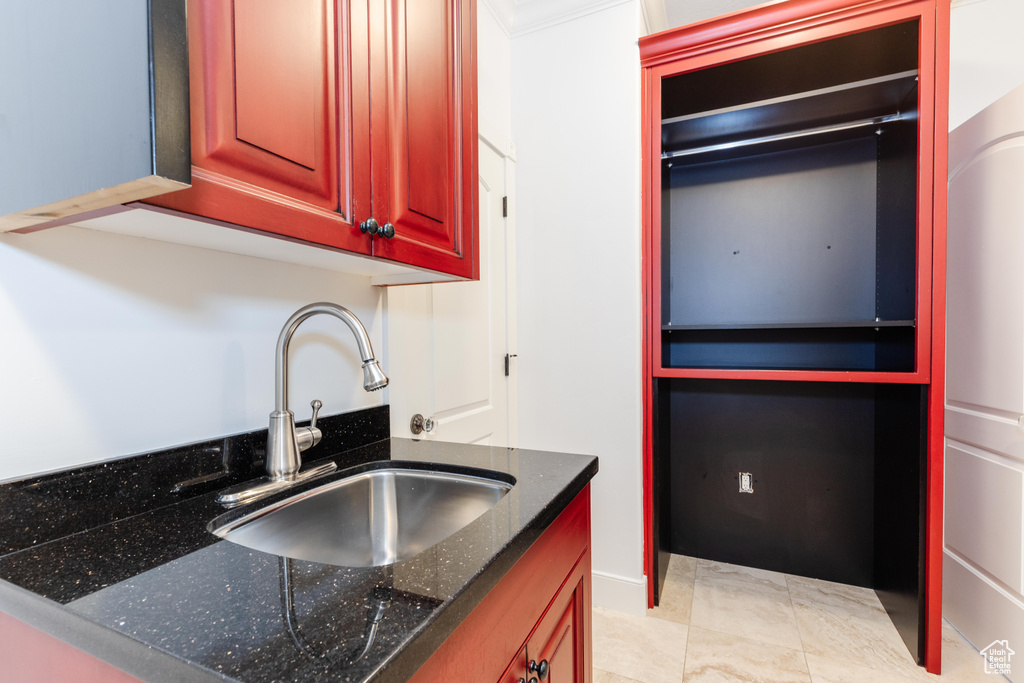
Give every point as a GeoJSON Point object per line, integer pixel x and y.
{"type": "Point", "coordinates": [794, 284]}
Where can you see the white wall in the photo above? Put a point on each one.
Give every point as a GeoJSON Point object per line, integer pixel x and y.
{"type": "Point", "coordinates": [683, 12]}
{"type": "Point", "coordinates": [576, 124]}
{"type": "Point", "coordinates": [986, 54]}
{"type": "Point", "coordinates": [494, 72]}
{"type": "Point", "coordinates": [116, 345]}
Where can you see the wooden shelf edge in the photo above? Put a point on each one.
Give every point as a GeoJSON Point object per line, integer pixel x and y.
{"type": "Point", "coordinates": [865, 377]}
{"type": "Point", "coordinates": [855, 324]}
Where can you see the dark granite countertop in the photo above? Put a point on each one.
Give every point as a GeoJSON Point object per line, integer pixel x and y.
{"type": "Point", "coordinates": [115, 559]}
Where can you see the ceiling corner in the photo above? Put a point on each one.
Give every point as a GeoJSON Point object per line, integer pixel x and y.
{"type": "Point", "coordinates": [654, 15]}
{"type": "Point", "coordinates": [504, 12]}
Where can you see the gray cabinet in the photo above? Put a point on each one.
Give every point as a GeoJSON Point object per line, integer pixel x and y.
{"type": "Point", "coordinates": [94, 111]}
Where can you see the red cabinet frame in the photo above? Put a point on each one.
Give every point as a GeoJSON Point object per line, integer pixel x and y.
{"type": "Point", "coordinates": [769, 28]}
{"type": "Point", "coordinates": [375, 151]}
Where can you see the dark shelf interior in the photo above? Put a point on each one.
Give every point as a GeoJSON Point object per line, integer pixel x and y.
{"type": "Point", "coordinates": [802, 257]}
{"type": "Point", "coordinates": [867, 349]}
{"type": "Point", "coordinates": [836, 473]}
{"type": "Point", "coordinates": [838, 111]}
{"type": "Point", "coordinates": [820, 65]}
{"type": "Point", "coordinates": [793, 326]}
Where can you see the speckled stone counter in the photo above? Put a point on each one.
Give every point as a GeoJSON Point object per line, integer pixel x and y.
{"type": "Point", "coordinates": [115, 559]}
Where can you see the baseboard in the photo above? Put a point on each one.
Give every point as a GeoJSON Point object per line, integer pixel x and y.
{"type": "Point", "coordinates": [620, 594]}
{"type": "Point", "coordinates": [981, 610]}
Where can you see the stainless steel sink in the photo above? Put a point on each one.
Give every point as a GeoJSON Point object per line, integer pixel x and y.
{"type": "Point", "coordinates": [381, 516]}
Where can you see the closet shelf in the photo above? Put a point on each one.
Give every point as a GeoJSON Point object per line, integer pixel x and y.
{"type": "Point", "coordinates": [791, 326]}
{"type": "Point", "coordinates": [846, 107]}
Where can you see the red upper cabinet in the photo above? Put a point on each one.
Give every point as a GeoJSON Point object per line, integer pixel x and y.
{"type": "Point", "coordinates": [309, 117]}
{"type": "Point", "coordinates": [276, 126]}
{"type": "Point", "coordinates": [423, 130]}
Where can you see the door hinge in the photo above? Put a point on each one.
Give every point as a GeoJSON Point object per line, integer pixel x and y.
{"type": "Point", "coordinates": [508, 356]}
{"type": "Point", "coordinates": [504, 212]}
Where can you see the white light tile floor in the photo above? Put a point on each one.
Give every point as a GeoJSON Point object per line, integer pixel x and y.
{"type": "Point", "coordinates": [719, 622]}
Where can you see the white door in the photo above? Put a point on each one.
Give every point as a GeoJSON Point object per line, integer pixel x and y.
{"type": "Point", "coordinates": [447, 342]}
{"type": "Point", "coordinates": [983, 568]}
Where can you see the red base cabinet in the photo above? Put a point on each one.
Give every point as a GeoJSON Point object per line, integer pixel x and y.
{"type": "Point", "coordinates": [536, 623]}
{"type": "Point", "coordinates": [301, 127]}
{"type": "Point", "coordinates": [794, 284]}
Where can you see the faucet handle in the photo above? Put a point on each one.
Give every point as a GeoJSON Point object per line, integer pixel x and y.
{"type": "Point", "coordinates": [307, 437]}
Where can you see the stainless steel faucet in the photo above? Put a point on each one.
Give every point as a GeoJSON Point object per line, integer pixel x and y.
{"type": "Point", "coordinates": [284, 441]}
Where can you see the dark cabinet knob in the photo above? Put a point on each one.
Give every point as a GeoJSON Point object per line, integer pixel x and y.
{"type": "Point", "coordinates": [523, 680]}
{"type": "Point", "coordinates": [369, 226]}
{"type": "Point", "coordinates": [540, 669]}
{"type": "Point", "coordinates": [386, 231]}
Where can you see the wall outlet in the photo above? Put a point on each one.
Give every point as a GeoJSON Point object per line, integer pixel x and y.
{"type": "Point", "coordinates": [746, 482]}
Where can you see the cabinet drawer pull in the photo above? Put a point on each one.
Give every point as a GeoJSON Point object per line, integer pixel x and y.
{"type": "Point", "coordinates": [386, 231]}
{"type": "Point", "coordinates": [540, 669]}
{"type": "Point", "coordinates": [369, 226]}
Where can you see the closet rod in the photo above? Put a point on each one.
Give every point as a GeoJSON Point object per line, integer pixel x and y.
{"type": "Point", "coordinates": [835, 128]}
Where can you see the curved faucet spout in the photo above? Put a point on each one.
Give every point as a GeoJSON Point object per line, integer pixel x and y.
{"type": "Point", "coordinates": [283, 443]}
{"type": "Point", "coordinates": [380, 380]}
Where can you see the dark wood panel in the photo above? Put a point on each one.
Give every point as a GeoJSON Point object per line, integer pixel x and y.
{"type": "Point", "coordinates": [660, 520]}
{"type": "Point", "coordinates": [808, 67]}
{"type": "Point", "coordinates": [889, 349]}
{"type": "Point", "coordinates": [783, 237]}
{"type": "Point", "coordinates": [900, 439]}
{"type": "Point", "coordinates": [810, 449]}
{"type": "Point", "coordinates": [896, 267]}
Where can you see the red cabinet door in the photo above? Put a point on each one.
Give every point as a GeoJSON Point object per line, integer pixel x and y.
{"type": "Point", "coordinates": [311, 116]}
{"type": "Point", "coordinates": [279, 116]}
{"type": "Point", "coordinates": [556, 658]}
{"type": "Point", "coordinates": [424, 132]}
{"type": "Point", "coordinates": [516, 671]}
{"type": "Point", "coordinates": [558, 648]}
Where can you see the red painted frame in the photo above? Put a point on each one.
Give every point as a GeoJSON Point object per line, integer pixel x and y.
{"type": "Point", "coordinates": [29, 654]}
{"type": "Point", "coordinates": [769, 28]}
{"type": "Point", "coordinates": [358, 149]}
{"type": "Point", "coordinates": [309, 214]}
{"type": "Point", "coordinates": [417, 240]}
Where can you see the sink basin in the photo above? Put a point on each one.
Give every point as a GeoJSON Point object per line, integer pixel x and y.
{"type": "Point", "coordinates": [384, 515]}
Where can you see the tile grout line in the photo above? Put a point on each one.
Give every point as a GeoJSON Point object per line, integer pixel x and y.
{"type": "Point", "coordinates": [689, 622]}
{"type": "Point", "coordinates": [689, 617]}
{"type": "Point", "coordinates": [799, 631]}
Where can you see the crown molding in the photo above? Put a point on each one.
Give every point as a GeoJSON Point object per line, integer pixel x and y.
{"type": "Point", "coordinates": [655, 19]}
{"type": "Point", "coordinates": [535, 15]}
{"type": "Point", "coordinates": [503, 11]}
